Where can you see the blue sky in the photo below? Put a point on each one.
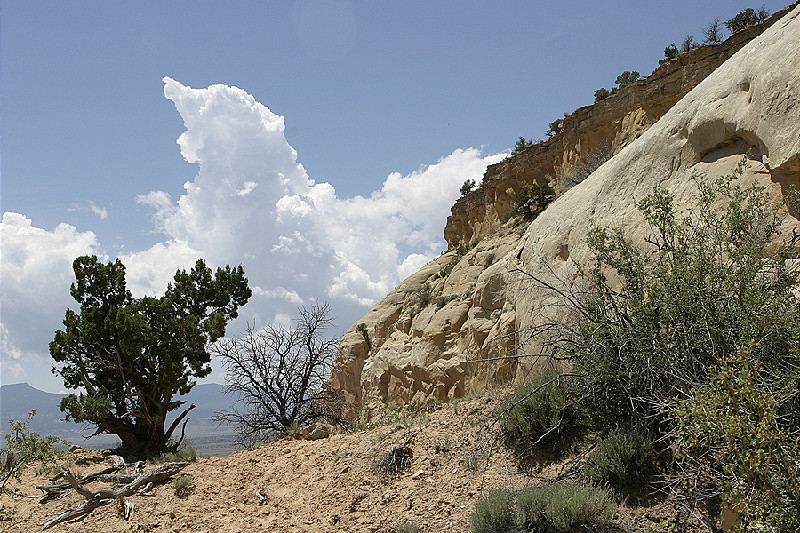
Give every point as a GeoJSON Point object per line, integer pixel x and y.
{"type": "Point", "coordinates": [324, 156]}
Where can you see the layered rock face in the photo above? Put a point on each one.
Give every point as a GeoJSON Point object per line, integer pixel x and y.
{"type": "Point", "coordinates": [590, 132]}
{"type": "Point", "coordinates": [452, 325]}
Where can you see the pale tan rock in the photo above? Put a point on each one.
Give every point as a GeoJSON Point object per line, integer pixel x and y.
{"type": "Point", "coordinates": [615, 121]}
{"type": "Point", "coordinates": [420, 352]}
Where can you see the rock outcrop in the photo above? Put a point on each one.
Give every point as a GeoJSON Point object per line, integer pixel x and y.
{"type": "Point", "coordinates": [591, 132]}
{"type": "Point", "coordinates": [452, 325]}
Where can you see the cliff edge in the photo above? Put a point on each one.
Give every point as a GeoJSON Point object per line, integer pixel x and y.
{"type": "Point", "coordinates": [459, 322]}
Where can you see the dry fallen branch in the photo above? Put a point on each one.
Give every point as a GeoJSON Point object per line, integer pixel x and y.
{"type": "Point", "coordinates": [94, 499]}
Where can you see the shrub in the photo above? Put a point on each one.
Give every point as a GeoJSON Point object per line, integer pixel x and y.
{"type": "Point", "coordinates": [563, 507]}
{"type": "Point", "coordinates": [184, 453]}
{"type": "Point", "coordinates": [738, 432]}
{"type": "Point", "coordinates": [627, 78]}
{"type": "Point", "coordinates": [530, 201]}
{"type": "Point", "coordinates": [467, 186]}
{"type": "Point", "coordinates": [534, 412]}
{"type": "Point", "coordinates": [555, 127]}
{"type": "Point", "coordinates": [493, 513]}
{"type": "Point", "coordinates": [656, 323]}
{"type": "Point", "coordinates": [521, 145]}
{"type": "Point", "coordinates": [184, 485]}
{"type": "Point", "coordinates": [424, 296]}
{"type": "Point", "coordinates": [406, 527]}
{"type": "Point", "coordinates": [24, 446]}
{"type": "Point", "coordinates": [601, 94]}
{"type": "Point", "coordinates": [395, 460]}
{"type": "Point", "coordinates": [652, 321]}
{"type": "Point", "coordinates": [748, 17]}
{"type": "Point", "coordinates": [624, 460]}
{"type": "Point", "coordinates": [670, 53]}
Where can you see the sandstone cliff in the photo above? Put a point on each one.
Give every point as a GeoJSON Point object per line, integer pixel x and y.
{"type": "Point", "coordinates": [589, 132]}
{"type": "Point", "coordinates": [451, 325]}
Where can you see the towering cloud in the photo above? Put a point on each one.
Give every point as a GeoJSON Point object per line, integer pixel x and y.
{"type": "Point", "coordinates": [252, 202]}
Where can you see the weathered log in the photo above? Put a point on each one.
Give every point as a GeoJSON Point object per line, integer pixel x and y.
{"type": "Point", "coordinates": [70, 514]}
{"type": "Point", "coordinates": [61, 487]}
{"type": "Point", "coordinates": [95, 499]}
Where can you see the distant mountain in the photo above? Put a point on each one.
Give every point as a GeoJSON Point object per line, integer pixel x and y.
{"type": "Point", "coordinates": [17, 400]}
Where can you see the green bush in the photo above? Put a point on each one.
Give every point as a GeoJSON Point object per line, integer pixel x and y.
{"type": "Point", "coordinates": [657, 325]}
{"type": "Point", "coordinates": [406, 527]}
{"type": "Point", "coordinates": [493, 513]}
{"type": "Point", "coordinates": [533, 414]}
{"type": "Point", "coordinates": [563, 507]}
{"type": "Point", "coordinates": [670, 53]}
{"type": "Point", "coordinates": [748, 17]}
{"type": "Point", "coordinates": [23, 447]}
{"type": "Point", "coordinates": [627, 78]}
{"type": "Point", "coordinates": [467, 186]}
{"type": "Point", "coordinates": [601, 94]}
{"type": "Point", "coordinates": [521, 145]}
{"type": "Point", "coordinates": [734, 432]}
{"type": "Point", "coordinates": [555, 127]}
{"type": "Point", "coordinates": [184, 485]}
{"type": "Point", "coordinates": [653, 318]}
{"type": "Point", "coordinates": [184, 453]}
{"type": "Point", "coordinates": [530, 201]}
{"type": "Point", "coordinates": [624, 460]}
{"type": "Point", "coordinates": [424, 296]}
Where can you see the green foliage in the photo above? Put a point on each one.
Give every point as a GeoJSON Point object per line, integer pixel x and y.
{"type": "Point", "coordinates": [183, 453]}
{"type": "Point", "coordinates": [601, 94]}
{"type": "Point", "coordinates": [494, 512]}
{"type": "Point", "coordinates": [424, 296]}
{"type": "Point", "coordinates": [467, 186]}
{"type": "Point", "coordinates": [748, 17]}
{"type": "Point", "coordinates": [448, 268]}
{"type": "Point", "coordinates": [533, 413]}
{"type": "Point", "coordinates": [555, 127]}
{"type": "Point", "coordinates": [670, 53]}
{"type": "Point", "coordinates": [624, 460]}
{"type": "Point", "coordinates": [362, 328]}
{"type": "Point", "coordinates": [653, 320]}
{"type": "Point", "coordinates": [132, 356]}
{"type": "Point", "coordinates": [23, 447]}
{"type": "Point", "coordinates": [406, 527]}
{"type": "Point", "coordinates": [441, 301]}
{"type": "Point", "coordinates": [696, 335]}
{"type": "Point", "coordinates": [530, 201]}
{"type": "Point", "coordinates": [627, 78]}
{"type": "Point", "coordinates": [740, 433]}
{"type": "Point", "coordinates": [563, 507]}
{"type": "Point", "coordinates": [521, 145]}
{"type": "Point", "coordinates": [184, 485]}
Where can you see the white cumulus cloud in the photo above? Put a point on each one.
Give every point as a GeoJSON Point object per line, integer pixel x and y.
{"type": "Point", "coordinates": [36, 272]}
{"type": "Point", "coordinates": [251, 202]}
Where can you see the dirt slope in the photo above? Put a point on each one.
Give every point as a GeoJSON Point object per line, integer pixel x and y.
{"type": "Point", "coordinates": [329, 484]}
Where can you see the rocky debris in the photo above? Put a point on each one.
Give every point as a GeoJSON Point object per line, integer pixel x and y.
{"type": "Point", "coordinates": [459, 322]}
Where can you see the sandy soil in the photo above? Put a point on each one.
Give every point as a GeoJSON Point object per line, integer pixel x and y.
{"type": "Point", "coordinates": [332, 484]}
